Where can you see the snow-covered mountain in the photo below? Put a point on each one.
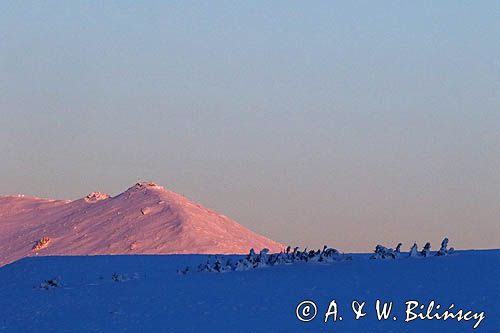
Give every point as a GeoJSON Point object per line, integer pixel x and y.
{"type": "Point", "coordinates": [145, 219]}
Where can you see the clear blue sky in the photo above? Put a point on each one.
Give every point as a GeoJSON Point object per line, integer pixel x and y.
{"type": "Point", "coordinates": [311, 122]}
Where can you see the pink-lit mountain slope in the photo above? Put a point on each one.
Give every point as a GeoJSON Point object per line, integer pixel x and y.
{"type": "Point", "coordinates": [145, 219]}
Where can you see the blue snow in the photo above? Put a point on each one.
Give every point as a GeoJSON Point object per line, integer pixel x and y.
{"type": "Point", "coordinates": [145, 294]}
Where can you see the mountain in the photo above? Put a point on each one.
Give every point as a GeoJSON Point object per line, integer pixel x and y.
{"type": "Point", "coordinates": [145, 219]}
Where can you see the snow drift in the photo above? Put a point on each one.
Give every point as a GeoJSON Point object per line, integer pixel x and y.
{"type": "Point", "coordinates": [145, 219]}
{"type": "Point", "coordinates": [145, 294]}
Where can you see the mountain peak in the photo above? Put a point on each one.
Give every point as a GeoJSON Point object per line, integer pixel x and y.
{"type": "Point", "coordinates": [147, 185]}
{"type": "Point", "coordinates": [145, 219]}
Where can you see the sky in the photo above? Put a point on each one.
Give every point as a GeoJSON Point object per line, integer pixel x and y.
{"type": "Point", "coordinates": [348, 124]}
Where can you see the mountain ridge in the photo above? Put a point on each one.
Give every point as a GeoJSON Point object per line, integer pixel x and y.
{"type": "Point", "coordinates": [144, 219]}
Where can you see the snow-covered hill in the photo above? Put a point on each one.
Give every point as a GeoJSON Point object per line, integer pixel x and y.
{"type": "Point", "coordinates": [145, 219]}
{"type": "Point", "coordinates": [145, 294]}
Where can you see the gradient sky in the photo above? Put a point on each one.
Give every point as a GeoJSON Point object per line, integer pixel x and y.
{"type": "Point", "coordinates": [310, 122]}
